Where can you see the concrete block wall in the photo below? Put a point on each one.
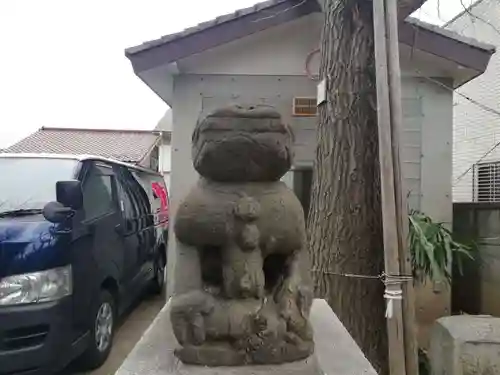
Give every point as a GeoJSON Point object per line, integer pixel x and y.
{"type": "Point", "coordinates": [477, 290]}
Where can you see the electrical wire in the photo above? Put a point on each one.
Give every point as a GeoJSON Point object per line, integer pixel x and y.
{"type": "Point", "coordinates": [309, 57]}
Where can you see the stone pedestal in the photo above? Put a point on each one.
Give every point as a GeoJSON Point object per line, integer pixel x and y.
{"type": "Point", "coordinates": [465, 345]}
{"type": "Point", "coordinates": [336, 353]}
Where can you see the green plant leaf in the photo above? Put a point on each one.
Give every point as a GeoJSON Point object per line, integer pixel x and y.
{"type": "Point", "coordinates": [433, 249]}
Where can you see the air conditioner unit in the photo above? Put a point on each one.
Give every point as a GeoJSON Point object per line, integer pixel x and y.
{"type": "Point", "coordinates": [305, 107]}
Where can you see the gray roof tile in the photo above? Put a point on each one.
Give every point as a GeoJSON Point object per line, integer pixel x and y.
{"type": "Point", "coordinates": [203, 26]}
{"type": "Point", "coordinates": [266, 4]}
{"type": "Point", "coordinates": [124, 145]}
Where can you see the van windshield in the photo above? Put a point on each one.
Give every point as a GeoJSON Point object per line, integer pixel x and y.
{"type": "Point", "coordinates": [30, 183]}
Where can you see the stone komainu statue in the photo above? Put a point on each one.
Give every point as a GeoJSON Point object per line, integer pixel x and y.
{"type": "Point", "coordinates": [242, 285]}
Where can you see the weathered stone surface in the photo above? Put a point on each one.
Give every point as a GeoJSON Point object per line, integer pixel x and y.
{"type": "Point", "coordinates": [242, 285]}
{"type": "Point", "coordinates": [465, 345]}
{"type": "Point", "coordinates": [336, 353]}
{"type": "Point", "coordinates": [242, 143]}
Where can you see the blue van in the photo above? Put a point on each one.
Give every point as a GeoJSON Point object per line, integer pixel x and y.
{"type": "Point", "coordinates": [81, 237]}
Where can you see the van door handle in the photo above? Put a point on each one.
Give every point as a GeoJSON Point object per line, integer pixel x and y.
{"type": "Point", "coordinates": [119, 228]}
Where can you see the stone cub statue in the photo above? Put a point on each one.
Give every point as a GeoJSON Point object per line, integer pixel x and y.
{"type": "Point", "coordinates": [243, 293]}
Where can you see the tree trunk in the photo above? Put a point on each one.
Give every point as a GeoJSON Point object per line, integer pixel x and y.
{"type": "Point", "coordinates": [345, 222]}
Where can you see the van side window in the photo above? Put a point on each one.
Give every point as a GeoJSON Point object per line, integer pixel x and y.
{"type": "Point", "coordinates": [129, 205]}
{"type": "Point", "coordinates": [97, 193]}
{"type": "Point", "coordinates": [141, 193]}
{"type": "Point", "coordinates": [133, 204]}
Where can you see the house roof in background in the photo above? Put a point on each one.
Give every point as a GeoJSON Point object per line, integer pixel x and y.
{"type": "Point", "coordinates": [244, 22]}
{"type": "Point", "coordinates": [123, 145]}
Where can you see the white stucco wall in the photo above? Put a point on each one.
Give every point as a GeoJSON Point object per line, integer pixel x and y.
{"type": "Point", "coordinates": [476, 131]}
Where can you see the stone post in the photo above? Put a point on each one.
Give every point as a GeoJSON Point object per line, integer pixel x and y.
{"type": "Point", "coordinates": [465, 345]}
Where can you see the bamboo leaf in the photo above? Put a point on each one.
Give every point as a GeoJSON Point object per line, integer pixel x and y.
{"type": "Point", "coordinates": [433, 249]}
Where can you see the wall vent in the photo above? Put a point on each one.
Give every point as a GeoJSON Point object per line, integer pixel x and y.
{"type": "Point", "coordinates": [305, 106]}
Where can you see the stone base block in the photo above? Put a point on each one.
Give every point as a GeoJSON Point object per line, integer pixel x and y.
{"type": "Point", "coordinates": [465, 345]}
{"type": "Point", "coordinates": [336, 353]}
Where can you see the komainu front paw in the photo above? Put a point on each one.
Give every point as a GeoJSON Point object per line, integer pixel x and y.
{"type": "Point", "coordinates": [187, 316]}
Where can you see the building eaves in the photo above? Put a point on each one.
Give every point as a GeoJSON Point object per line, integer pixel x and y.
{"type": "Point", "coordinates": [451, 34]}
{"type": "Point", "coordinates": [465, 52]}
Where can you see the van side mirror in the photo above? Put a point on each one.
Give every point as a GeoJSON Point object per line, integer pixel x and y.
{"type": "Point", "coordinates": [69, 194]}
{"type": "Point", "coordinates": [56, 212]}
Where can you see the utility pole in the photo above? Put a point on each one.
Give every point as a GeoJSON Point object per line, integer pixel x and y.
{"type": "Point", "coordinates": [399, 291]}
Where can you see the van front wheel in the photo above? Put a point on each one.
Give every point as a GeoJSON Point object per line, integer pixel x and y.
{"type": "Point", "coordinates": [102, 331]}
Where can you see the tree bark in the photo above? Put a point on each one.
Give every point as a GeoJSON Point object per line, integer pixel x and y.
{"type": "Point", "coordinates": [345, 221]}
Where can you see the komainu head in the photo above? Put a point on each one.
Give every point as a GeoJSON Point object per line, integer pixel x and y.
{"type": "Point", "coordinates": [242, 144]}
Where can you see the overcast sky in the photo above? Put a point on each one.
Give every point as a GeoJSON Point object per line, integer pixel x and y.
{"type": "Point", "coordinates": [62, 62]}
